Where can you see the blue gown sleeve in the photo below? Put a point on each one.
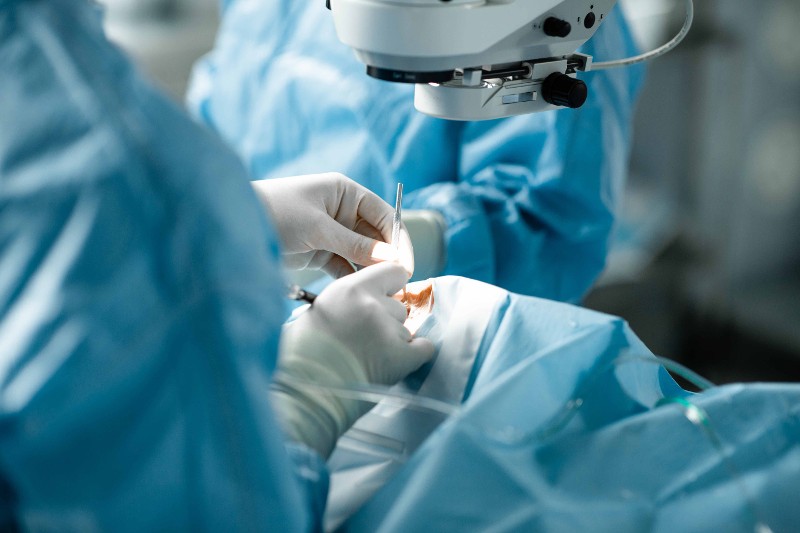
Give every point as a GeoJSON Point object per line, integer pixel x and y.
{"type": "Point", "coordinates": [534, 202]}
{"type": "Point", "coordinates": [140, 304]}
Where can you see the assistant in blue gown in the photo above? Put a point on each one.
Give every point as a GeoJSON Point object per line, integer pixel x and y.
{"type": "Point", "coordinates": [528, 202]}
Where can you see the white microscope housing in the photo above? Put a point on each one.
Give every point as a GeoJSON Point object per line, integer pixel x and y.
{"type": "Point", "coordinates": [475, 59]}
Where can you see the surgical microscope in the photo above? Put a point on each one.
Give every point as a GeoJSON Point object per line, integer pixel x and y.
{"type": "Point", "coordinates": [481, 59]}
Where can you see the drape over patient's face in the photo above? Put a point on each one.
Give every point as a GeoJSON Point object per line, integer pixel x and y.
{"type": "Point", "coordinates": [566, 423]}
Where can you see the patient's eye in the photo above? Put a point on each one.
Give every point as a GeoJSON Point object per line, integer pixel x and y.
{"type": "Point", "coordinates": [418, 299]}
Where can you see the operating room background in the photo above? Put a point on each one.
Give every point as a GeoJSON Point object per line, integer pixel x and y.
{"type": "Point", "coordinates": [706, 260]}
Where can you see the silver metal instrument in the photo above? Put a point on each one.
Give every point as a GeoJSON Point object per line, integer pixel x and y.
{"type": "Point", "coordinates": [397, 220]}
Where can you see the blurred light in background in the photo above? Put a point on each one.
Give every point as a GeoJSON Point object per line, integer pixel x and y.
{"type": "Point", "coordinates": [780, 45]}
{"type": "Point", "coordinates": [649, 20]}
{"type": "Point", "coordinates": [165, 37]}
{"type": "Point", "coordinates": [773, 166]}
{"type": "Point", "coordinates": [712, 209]}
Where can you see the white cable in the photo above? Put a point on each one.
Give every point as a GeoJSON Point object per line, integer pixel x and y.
{"type": "Point", "coordinates": [660, 51]}
{"type": "Point", "coordinates": [376, 393]}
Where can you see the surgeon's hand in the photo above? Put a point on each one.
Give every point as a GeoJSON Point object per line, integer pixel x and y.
{"type": "Point", "coordinates": [353, 334]}
{"type": "Point", "coordinates": [361, 314]}
{"type": "Point", "coordinates": [327, 221]}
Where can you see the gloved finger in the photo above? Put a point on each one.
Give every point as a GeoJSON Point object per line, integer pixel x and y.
{"type": "Point", "coordinates": [338, 267]}
{"type": "Point", "coordinates": [385, 251]}
{"type": "Point", "coordinates": [364, 227]}
{"type": "Point", "coordinates": [405, 334]}
{"type": "Point", "coordinates": [382, 251]}
{"type": "Point", "coordinates": [383, 279]}
{"type": "Point", "coordinates": [352, 246]}
{"type": "Point", "coordinates": [367, 230]}
{"type": "Point", "coordinates": [378, 213]}
{"type": "Point", "coordinates": [420, 352]}
{"type": "Point", "coordinates": [406, 252]}
{"type": "Point", "coordinates": [316, 260]}
{"type": "Point", "coordinates": [396, 309]}
{"type": "Point", "coordinates": [297, 261]}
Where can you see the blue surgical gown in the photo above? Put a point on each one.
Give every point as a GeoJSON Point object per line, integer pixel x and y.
{"type": "Point", "coordinates": [140, 303]}
{"type": "Point", "coordinates": [529, 201]}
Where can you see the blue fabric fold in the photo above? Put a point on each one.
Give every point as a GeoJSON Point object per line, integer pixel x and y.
{"type": "Point", "coordinates": [140, 303]}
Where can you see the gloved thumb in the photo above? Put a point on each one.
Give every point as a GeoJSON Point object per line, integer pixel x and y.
{"type": "Point", "coordinates": [384, 279]}
{"type": "Point", "coordinates": [405, 252]}
{"type": "Point", "coordinates": [421, 351]}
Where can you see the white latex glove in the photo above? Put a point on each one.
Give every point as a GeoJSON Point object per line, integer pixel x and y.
{"type": "Point", "coordinates": [353, 334]}
{"type": "Point", "coordinates": [426, 229]}
{"type": "Point", "coordinates": [327, 221]}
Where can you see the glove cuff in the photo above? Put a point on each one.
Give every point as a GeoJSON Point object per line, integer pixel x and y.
{"type": "Point", "coordinates": [309, 363]}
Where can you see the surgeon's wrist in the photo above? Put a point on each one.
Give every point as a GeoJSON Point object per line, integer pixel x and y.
{"type": "Point", "coordinates": [311, 363]}
{"type": "Point", "coordinates": [426, 227]}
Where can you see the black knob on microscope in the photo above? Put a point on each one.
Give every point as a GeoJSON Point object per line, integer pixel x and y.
{"type": "Point", "coordinates": [556, 27]}
{"type": "Point", "coordinates": [563, 90]}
